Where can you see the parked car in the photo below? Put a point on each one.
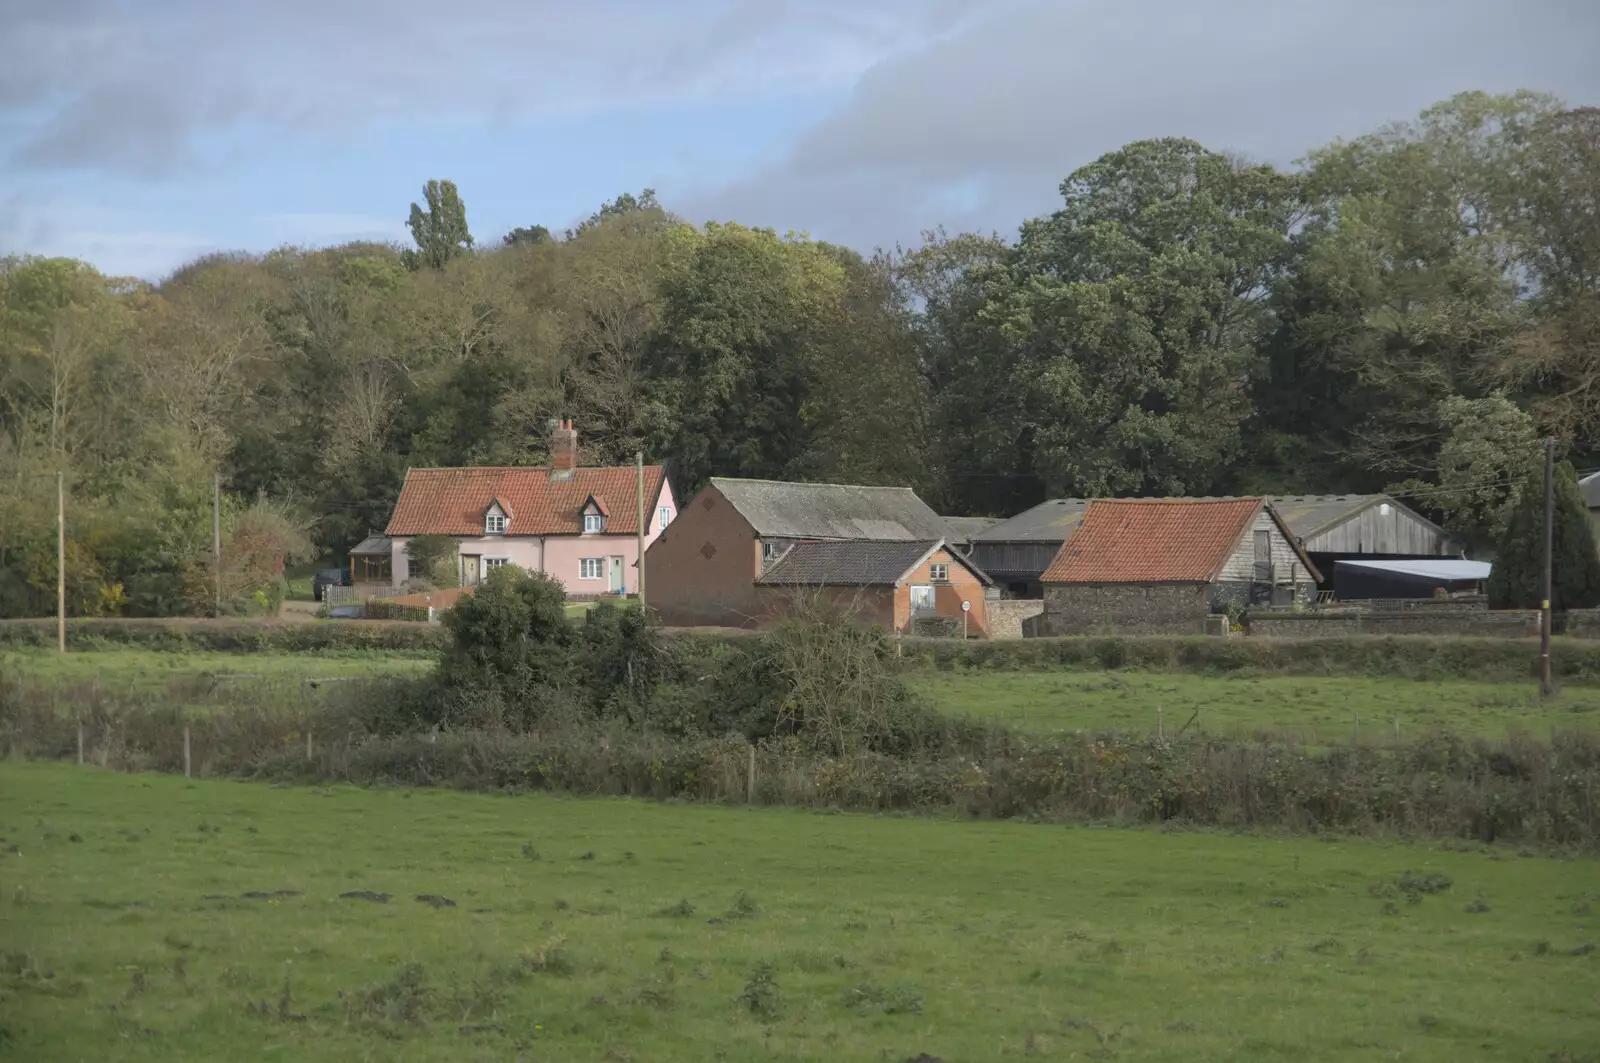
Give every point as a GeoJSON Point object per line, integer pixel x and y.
{"type": "Point", "coordinates": [325, 578]}
{"type": "Point", "coordinates": [347, 612]}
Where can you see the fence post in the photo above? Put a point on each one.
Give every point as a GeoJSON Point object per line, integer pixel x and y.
{"type": "Point", "coordinates": [308, 745]}
{"type": "Point", "coordinates": [186, 760]}
{"type": "Point", "coordinates": [1161, 732]}
{"type": "Point", "coordinates": [750, 780]}
{"type": "Point", "coordinates": [80, 743]}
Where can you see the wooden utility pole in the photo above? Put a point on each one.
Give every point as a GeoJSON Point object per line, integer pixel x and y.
{"type": "Point", "coordinates": [216, 537]}
{"type": "Point", "coordinates": [61, 561]}
{"type": "Point", "coordinates": [638, 459]}
{"type": "Point", "coordinates": [1546, 687]}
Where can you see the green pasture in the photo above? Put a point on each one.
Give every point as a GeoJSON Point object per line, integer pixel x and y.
{"type": "Point", "coordinates": [1309, 708]}
{"type": "Point", "coordinates": [150, 918]}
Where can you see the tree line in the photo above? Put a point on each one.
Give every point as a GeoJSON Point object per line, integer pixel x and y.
{"type": "Point", "coordinates": [1411, 310]}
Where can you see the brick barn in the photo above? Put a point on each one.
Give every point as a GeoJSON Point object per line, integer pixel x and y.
{"type": "Point", "coordinates": [1149, 566]}
{"type": "Point", "coordinates": [703, 569]}
{"type": "Point", "coordinates": [910, 587]}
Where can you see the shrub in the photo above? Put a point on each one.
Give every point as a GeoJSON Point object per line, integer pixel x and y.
{"type": "Point", "coordinates": [511, 635]}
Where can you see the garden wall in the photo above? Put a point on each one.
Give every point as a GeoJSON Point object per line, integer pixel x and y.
{"type": "Point", "coordinates": [1511, 623]}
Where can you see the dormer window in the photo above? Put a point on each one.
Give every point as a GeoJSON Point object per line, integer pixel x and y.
{"type": "Point", "coordinates": [495, 521]}
{"type": "Point", "coordinates": [594, 516]}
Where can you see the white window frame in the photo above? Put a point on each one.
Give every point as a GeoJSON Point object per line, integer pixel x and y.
{"type": "Point", "coordinates": [770, 552]}
{"type": "Point", "coordinates": [494, 562]}
{"type": "Point", "coordinates": [591, 568]}
{"type": "Point", "coordinates": [663, 518]}
{"type": "Point", "coordinates": [939, 573]}
{"type": "Point", "coordinates": [594, 523]}
{"type": "Point", "coordinates": [495, 523]}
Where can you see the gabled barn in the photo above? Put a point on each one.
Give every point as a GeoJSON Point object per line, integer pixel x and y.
{"type": "Point", "coordinates": [704, 569]}
{"type": "Point", "coordinates": [1162, 565]}
{"type": "Point", "coordinates": [1332, 528]}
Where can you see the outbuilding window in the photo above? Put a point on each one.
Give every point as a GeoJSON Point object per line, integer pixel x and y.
{"type": "Point", "coordinates": [939, 573]}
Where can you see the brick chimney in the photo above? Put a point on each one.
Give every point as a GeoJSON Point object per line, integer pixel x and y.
{"type": "Point", "coordinates": [563, 450]}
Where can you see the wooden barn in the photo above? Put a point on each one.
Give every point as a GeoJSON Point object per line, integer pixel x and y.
{"type": "Point", "coordinates": [1331, 528]}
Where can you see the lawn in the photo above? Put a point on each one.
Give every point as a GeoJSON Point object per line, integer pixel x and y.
{"type": "Point", "coordinates": [155, 668]}
{"type": "Point", "coordinates": [147, 918]}
{"type": "Point", "coordinates": [1310, 708]}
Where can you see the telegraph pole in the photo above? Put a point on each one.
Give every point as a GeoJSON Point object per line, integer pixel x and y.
{"type": "Point", "coordinates": [216, 536]}
{"type": "Point", "coordinates": [1546, 687]}
{"type": "Point", "coordinates": [61, 561]}
{"type": "Point", "coordinates": [638, 459]}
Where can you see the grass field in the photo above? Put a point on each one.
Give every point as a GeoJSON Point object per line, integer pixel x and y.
{"type": "Point", "coordinates": [1313, 709]}
{"type": "Point", "coordinates": [146, 918]}
{"type": "Point", "coordinates": [154, 668]}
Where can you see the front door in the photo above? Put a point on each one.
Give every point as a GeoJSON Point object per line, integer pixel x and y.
{"type": "Point", "coordinates": [471, 570]}
{"type": "Point", "coordinates": [921, 600]}
{"type": "Point", "coordinates": [616, 575]}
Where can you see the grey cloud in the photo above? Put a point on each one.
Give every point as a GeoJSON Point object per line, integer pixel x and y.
{"type": "Point", "coordinates": [979, 128]}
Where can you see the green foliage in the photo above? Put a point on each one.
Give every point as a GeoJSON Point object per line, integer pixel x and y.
{"type": "Point", "coordinates": [441, 230]}
{"type": "Point", "coordinates": [1517, 581]}
{"type": "Point", "coordinates": [437, 556]}
{"type": "Point", "coordinates": [511, 639]}
{"type": "Point", "coordinates": [527, 236]}
{"type": "Point", "coordinates": [621, 659]}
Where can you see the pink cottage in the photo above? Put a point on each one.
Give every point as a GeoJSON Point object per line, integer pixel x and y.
{"type": "Point", "coordinates": [576, 524]}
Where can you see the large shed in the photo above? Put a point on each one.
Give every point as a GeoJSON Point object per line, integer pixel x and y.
{"type": "Point", "coordinates": [704, 568]}
{"type": "Point", "coordinates": [1016, 552]}
{"type": "Point", "coordinates": [1331, 528]}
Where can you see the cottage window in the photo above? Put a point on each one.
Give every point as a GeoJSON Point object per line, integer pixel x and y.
{"type": "Point", "coordinates": [592, 568]}
{"type": "Point", "coordinates": [494, 562]}
{"type": "Point", "coordinates": [664, 515]}
{"type": "Point", "coordinates": [594, 523]}
{"type": "Point", "coordinates": [939, 573]}
{"type": "Point", "coordinates": [494, 524]}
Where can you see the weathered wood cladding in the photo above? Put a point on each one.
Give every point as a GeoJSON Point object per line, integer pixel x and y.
{"type": "Point", "coordinates": [1372, 531]}
{"type": "Point", "coordinates": [1286, 566]}
{"type": "Point", "coordinates": [1014, 561]}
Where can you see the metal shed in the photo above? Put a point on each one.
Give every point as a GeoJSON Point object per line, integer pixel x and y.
{"type": "Point", "coordinates": [1426, 578]}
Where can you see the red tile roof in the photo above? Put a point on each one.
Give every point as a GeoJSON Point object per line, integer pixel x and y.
{"type": "Point", "coordinates": [1152, 540]}
{"type": "Point", "coordinates": [453, 501]}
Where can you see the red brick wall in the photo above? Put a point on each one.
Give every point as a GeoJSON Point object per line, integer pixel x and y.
{"type": "Point", "coordinates": [962, 586]}
{"type": "Point", "coordinates": [688, 589]}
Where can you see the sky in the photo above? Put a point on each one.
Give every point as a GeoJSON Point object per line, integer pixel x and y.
{"type": "Point", "coordinates": [139, 134]}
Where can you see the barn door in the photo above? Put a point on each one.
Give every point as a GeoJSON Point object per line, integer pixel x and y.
{"type": "Point", "coordinates": [921, 601]}
{"type": "Point", "coordinates": [1263, 558]}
